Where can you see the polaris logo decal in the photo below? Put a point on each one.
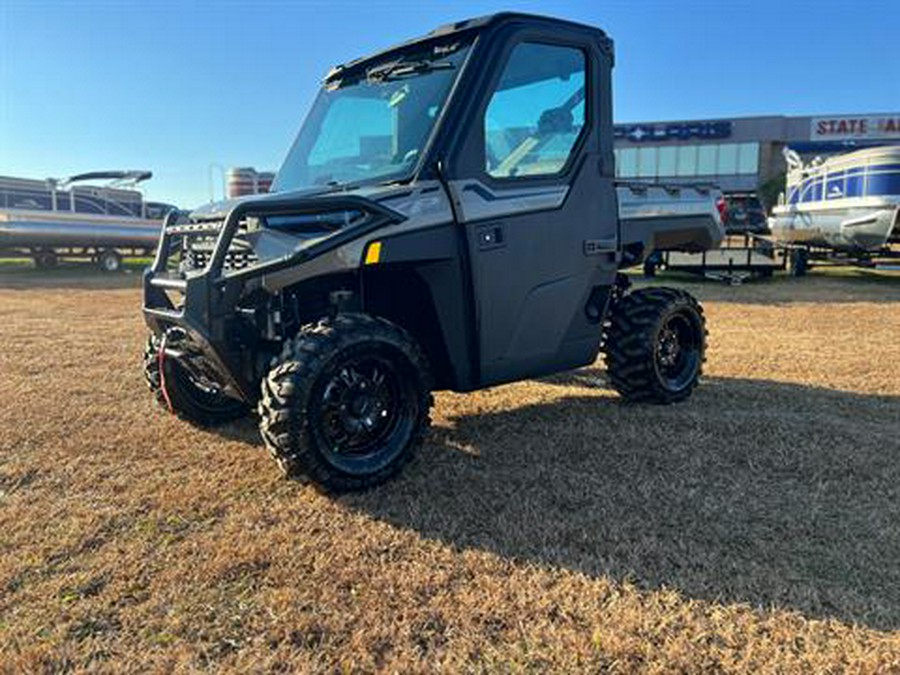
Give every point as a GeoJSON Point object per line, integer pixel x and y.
{"type": "Point", "coordinates": [640, 133]}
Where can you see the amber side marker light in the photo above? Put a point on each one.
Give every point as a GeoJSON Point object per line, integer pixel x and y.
{"type": "Point", "coordinates": [373, 253]}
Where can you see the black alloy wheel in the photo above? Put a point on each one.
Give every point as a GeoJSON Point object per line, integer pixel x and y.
{"type": "Point", "coordinates": [361, 411]}
{"type": "Point", "coordinates": [346, 404]}
{"type": "Point", "coordinates": [678, 356]}
{"type": "Point", "coordinates": [655, 344]}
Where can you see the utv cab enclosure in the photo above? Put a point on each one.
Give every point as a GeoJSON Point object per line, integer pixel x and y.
{"type": "Point", "coordinates": [446, 218]}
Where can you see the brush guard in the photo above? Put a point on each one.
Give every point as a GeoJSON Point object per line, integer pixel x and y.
{"type": "Point", "coordinates": [199, 302]}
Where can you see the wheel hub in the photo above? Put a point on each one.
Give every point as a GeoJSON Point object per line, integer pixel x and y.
{"type": "Point", "coordinates": [669, 347]}
{"type": "Point", "coordinates": [363, 411]}
{"type": "Point", "coordinates": [358, 407]}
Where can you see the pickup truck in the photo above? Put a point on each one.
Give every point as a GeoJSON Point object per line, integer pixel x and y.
{"type": "Point", "coordinates": [446, 218]}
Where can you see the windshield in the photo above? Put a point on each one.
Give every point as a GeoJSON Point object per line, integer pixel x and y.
{"type": "Point", "coordinates": [374, 124]}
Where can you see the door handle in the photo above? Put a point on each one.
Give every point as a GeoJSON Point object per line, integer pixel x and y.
{"type": "Point", "coordinates": [599, 246]}
{"type": "Point", "coordinates": [490, 236]}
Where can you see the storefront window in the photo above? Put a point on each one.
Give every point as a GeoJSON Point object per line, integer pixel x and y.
{"type": "Point", "coordinates": [626, 162]}
{"type": "Point", "coordinates": [687, 161]}
{"type": "Point", "coordinates": [748, 157]}
{"type": "Point", "coordinates": [647, 163]}
{"type": "Point", "coordinates": [723, 159]}
{"type": "Point", "coordinates": [728, 159]}
{"type": "Point", "coordinates": [666, 161]}
{"type": "Point", "coordinates": [706, 160]}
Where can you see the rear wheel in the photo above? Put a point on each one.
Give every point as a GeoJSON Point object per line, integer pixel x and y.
{"type": "Point", "coordinates": [187, 395]}
{"type": "Point", "coordinates": [347, 402]}
{"type": "Point", "coordinates": [652, 264]}
{"type": "Point", "coordinates": [46, 260]}
{"type": "Point", "coordinates": [798, 262]}
{"type": "Point", "coordinates": [655, 345]}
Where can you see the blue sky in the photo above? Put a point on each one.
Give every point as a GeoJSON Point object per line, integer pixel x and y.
{"type": "Point", "coordinates": [178, 87]}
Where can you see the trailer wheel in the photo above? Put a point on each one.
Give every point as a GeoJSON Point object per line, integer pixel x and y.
{"type": "Point", "coordinates": [652, 263]}
{"type": "Point", "coordinates": [109, 261]}
{"type": "Point", "coordinates": [46, 260]}
{"type": "Point", "coordinates": [347, 402]}
{"type": "Point", "coordinates": [798, 262]}
{"type": "Point", "coordinates": [655, 345]}
{"type": "Point", "coordinates": [185, 396]}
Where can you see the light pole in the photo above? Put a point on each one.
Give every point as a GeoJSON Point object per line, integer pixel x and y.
{"type": "Point", "coordinates": [209, 175]}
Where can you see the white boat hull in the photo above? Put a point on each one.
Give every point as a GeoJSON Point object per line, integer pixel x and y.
{"type": "Point", "coordinates": [848, 202]}
{"type": "Point", "coordinates": [25, 229]}
{"type": "Point", "coordinates": [857, 224]}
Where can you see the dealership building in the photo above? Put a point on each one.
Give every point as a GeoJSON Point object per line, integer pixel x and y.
{"type": "Point", "coordinates": [739, 154]}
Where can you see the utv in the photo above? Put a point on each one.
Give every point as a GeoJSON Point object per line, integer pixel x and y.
{"type": "Point", "coordinates": [447, 218]}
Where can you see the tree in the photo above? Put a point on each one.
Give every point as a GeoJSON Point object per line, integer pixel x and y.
{"type": "Point", "coordinates": [769, 190]}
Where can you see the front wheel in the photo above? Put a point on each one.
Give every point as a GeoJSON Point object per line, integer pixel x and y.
{"type": "Point", "coordinates": [187, 395]}
{"type": "Point", "coordinates": [347, 402]}
{"type": "Point", "coordinates": [655, 345]}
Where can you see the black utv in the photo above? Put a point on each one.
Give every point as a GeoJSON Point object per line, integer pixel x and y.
{"type": "Point", "coordinates": [446, 218]}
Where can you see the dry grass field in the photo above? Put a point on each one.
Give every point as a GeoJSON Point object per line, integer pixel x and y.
{"type": "Point", "coordinates": [545, 526]}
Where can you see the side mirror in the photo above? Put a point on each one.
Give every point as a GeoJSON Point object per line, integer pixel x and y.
{"type": "Point", "coordinates": [555, 121]}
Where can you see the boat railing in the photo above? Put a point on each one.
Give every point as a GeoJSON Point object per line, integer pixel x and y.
{"type": "Point", "coordinates": [115, 199]}
{"type": "Point", "coordinates": [846, 177]}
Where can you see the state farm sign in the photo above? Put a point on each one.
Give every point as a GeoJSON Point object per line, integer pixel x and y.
{"type": "Point", "coordinates": [841, 128]}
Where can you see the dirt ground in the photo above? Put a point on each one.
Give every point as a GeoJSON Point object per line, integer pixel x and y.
{"type": "Point", "coordinates": [545, 526]}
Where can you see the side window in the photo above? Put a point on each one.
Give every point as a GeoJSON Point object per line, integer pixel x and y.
{"type": "Point", "coordinates": [536, 113]}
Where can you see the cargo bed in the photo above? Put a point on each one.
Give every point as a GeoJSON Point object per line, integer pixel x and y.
{"type": "Point", "coordinates": [657, 216]}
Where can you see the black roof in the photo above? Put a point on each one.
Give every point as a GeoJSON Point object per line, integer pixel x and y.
{"type": "Point", "coordinates": [500, 17]}
{"type": "Point", "coordinates": [462, 27]}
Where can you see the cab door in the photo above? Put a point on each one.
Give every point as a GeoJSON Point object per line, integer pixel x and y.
{"type": "Point", "coordinates": [539, 206]}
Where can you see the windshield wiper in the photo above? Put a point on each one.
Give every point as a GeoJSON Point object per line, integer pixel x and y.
{"type": "Point", "coordinates": [340, 186]}
{"type": "Point", "coordinates": [399, 69]}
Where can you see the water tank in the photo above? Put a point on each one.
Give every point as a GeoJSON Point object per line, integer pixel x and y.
{"type": "Point", "coordinates": [264, 181]}
{"type": "Point", "coordinates": [246, 180]}
{"type": "Point", "coordinates": [241, 181]}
